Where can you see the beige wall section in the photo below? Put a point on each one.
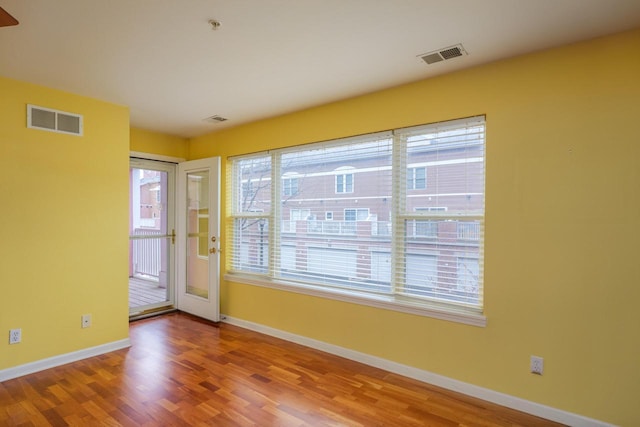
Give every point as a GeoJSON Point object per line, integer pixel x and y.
{"type": "Point", "coordinates": [562, 215]}
{"type": "Point", "coordinates": [146, 141]}
{"type": "Point", "coordinates": [64, 244]}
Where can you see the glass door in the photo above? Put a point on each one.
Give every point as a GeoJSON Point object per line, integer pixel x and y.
{"type": "Point", "coordinates": [199, 238]}
{"type": "Point", "coordinates": [151, 236]}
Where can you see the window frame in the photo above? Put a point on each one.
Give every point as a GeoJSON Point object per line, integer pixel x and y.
{"type": "Point", "coordinates": [345, 187]}
{"type": "Point", "coordinates": [412, 178]}
{"type": "Point", "coordinates": [288, 187]}
{"type": "Point", "coordinates": [441, 309]}
{"type": "Point", "coordinates": [356, 212]}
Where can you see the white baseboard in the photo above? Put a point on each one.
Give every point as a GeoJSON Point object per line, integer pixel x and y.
{"type": "Point", "coordinates": [63, 359]}
{"type": "Point", "coordinates": [512, 402]}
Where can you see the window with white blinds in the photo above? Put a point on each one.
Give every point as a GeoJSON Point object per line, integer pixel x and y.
{"type": "Point", "coordinates": [409, 235]}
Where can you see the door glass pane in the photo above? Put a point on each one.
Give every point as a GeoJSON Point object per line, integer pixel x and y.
{"type": "Point", "coordinates": [148, 239]}
{"type": "Point", "coordinates": [198, 234]}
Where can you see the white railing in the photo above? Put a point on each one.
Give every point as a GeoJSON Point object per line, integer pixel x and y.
{"type": "Point", "coordinates": [381, 228]}
{"type": "Point", "coordinates": [425, 229]}
{"type": "Point", "coordinates": [146, 253]}
{"type": "Point", "coordinates": [415, 228]}
{"type": "Point", "coordinates": [343, 228]}
{"type": "Point", "coordinates": [469, 230]}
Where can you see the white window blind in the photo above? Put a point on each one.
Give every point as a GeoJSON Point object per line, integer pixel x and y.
{"type": "Point", "coordinates": [446, 220]}
{"type": "Point", "coordinates": [419, 245]}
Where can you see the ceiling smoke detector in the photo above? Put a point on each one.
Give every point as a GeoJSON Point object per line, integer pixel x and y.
{"type": "Point", "coordinates": [443, 54]}
{"type": "Point", "coordinates": [215, 119]}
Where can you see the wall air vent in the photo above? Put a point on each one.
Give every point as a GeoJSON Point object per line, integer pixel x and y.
{"type": "Point", "coordinates": [53, 120]}
{"type": "Point", "coordinates": [443, 54]}
{"type": "Point", "coordinates": [216, 119]}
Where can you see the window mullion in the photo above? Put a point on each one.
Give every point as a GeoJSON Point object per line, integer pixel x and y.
{"type": "Point", "coordinates": [275, 222]}
{"type": "Point", "coordinates": [399, 191]}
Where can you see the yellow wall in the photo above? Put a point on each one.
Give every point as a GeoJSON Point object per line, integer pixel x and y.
{"type": "Point", "coordinates": [146, 141]}
{"type": "Point", "coordinates": [63, 211]}
{"type": "Point", "coordinates": [562, 228]}
{"type": "Point", "coordinates": [562, 224]}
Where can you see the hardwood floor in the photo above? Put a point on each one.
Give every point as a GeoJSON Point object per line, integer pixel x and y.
{"type": "Point", "coordinates": [181, 370]}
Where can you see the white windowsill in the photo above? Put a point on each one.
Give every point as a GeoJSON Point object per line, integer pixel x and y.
{"type": "Point", "coordinates": [453, 314]}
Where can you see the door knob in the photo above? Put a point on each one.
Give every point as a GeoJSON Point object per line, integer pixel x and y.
{"type": "Point", "coordinates": [212, 250]}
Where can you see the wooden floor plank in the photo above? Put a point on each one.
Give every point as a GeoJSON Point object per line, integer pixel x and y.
{"type": "Point", "coordinates": [184, 371]}
{"type": "Point", "coordinates": [144, 292]}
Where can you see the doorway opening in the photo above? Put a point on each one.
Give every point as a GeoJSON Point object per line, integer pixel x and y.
{"type": "Point", "coordinates": [152, 236]}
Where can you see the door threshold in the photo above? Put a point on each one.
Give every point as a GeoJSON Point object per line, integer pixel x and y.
{"type": "Point", "coordinates": [151, 313]}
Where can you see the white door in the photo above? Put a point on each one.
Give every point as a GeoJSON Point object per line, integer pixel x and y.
{"type": "Point", "coordinates": [198, 238]}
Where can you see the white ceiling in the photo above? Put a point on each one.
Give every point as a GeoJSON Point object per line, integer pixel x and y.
{"type": "Point", "coordinates": [162, 59]}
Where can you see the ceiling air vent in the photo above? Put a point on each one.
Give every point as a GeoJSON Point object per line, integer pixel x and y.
{"type": "Point", "coordinates": [215, 119]}
{"type": "Point", "coordinates": [53, 120]}
{"type": "Point", "coordinates": [443, 54]}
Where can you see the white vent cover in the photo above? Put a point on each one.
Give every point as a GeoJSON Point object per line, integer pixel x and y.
{"type": "Point", "coordinates": [53, 120]}
{"type": "Point", "coordinates": [443, 54]}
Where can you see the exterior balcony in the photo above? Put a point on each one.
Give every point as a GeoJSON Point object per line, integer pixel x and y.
{"type": "Point", "coordinates": [464, 231]}
{"type": "Point", "coordinates": [147, 278]}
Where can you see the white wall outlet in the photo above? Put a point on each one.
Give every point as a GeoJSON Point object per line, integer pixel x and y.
{"type": "Point", "coordinates": [537, 365]}
{"type": "Point", "coordinates": [86, 320]}
{"type": "Point", "coordinates": [15, 336]}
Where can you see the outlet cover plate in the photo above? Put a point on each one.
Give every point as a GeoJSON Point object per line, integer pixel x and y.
{"type": "Point", "coordinates": [537, 365]}
{"type": "Point", "coordinates": [15, 336]}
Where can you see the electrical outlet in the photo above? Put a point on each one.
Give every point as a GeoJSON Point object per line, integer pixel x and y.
{"type": "Point", "coordinates": [537, 365]}
{"type": "Point", "coordinates": [86, 320]}
{"type": "Point", "coordinates": [15, 336]}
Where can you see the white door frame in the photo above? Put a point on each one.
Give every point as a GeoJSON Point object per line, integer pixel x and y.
{"type": "Point", "coordinates": [170, 209]}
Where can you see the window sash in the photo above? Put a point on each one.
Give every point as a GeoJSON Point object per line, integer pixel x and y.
{"type": "Point", "coordinates": [290, 186]}
{"type": "Point", "coordinates": [344, 183]}
{"type": "Point", "coordinates": [411, 272]}
{"type": "Point", "coordinates": [416, 179]}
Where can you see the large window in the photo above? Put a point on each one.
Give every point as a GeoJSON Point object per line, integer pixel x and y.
{"type": "Point", "coordinates": [392, 242]}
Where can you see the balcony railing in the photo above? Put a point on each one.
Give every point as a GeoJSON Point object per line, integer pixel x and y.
{"type": "Point", "coordinates": [469, 231]}
{"type": "Point", "coordinates": [462, 230]}
{"type": "Point", "coordinates": [146, 253]}
{"type": "Point", "coordinates": [341, 228]}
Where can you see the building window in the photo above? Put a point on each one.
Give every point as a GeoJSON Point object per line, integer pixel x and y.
{"type": "Point", "coordinates": [416, 178]}
{"type": "Point", "coordinates": [344, 183]}
{"type": "Point", "coordinates": [393, 245]}
{"type": "Point", "coordinates": [360, 214]}
{"type": "Point", "coordinates": [290, 186]}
